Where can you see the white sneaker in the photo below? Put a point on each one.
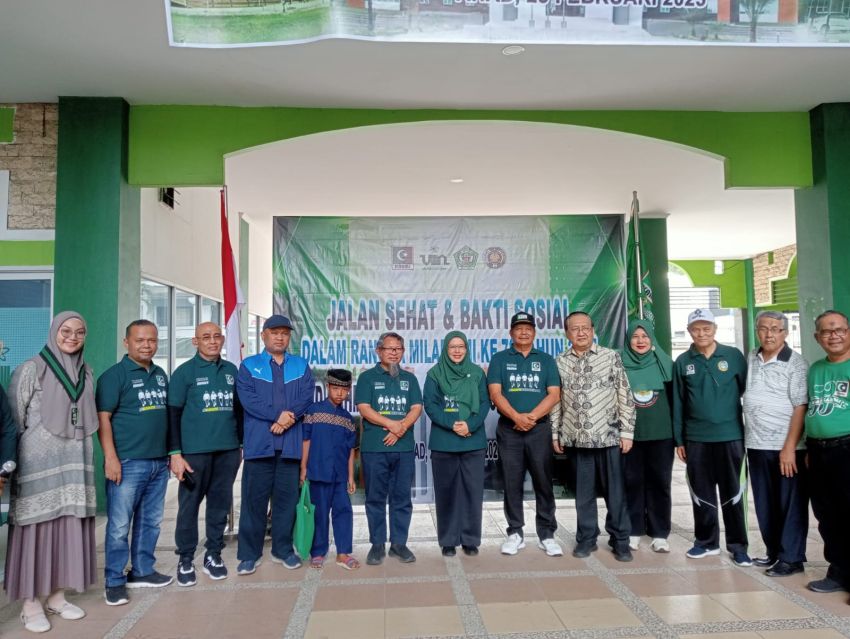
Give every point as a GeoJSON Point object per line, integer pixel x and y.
{"type": "Point", "coordinates": [36, 622]}
{"type": "Point", "coordinates": [513, 544]}
{"type": "Point", "coordinates": [660, 545]}
{"type": "Point", "coordinates": [634, 542]}
{"type": "Point", "coordinates": [551, 547]}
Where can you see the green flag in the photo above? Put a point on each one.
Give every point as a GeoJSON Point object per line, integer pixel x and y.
{"type": "Point", "coordinates": [638, 283]}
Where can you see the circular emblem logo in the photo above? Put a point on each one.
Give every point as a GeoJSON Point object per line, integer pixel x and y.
{"type": "Point", "coordinates": [723, 366]}
{"type": "Point", "coordinates": [644, 398]}
{"type": "Point", "coordinates": [495, 257]}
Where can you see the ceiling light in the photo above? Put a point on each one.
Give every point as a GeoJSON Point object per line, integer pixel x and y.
{"type": "Point", "coordinates": [513, 49]}
{"type": "Point", "coordinates": [456, 180]}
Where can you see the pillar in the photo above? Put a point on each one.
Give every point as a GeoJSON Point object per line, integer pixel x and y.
{"type": "Point", "coordinates": [653, 244]}
{"type": "Point", "coordinates": [823, 222]}
{"type": "Point", "coordinates": [97, 258]}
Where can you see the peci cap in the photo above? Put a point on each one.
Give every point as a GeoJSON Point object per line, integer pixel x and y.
{"type": "Point", "coordinates": [522, 318]}
{"type": "Point", "coordinates": [701, 315]}
{"type": "Point", "coordinates": [277, 321]}
{"type": "Point", "coordinates": [339, 377]}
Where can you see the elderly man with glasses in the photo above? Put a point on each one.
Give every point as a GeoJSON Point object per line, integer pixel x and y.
{"type": "Point", "coordinates": [775, 407]}
{"type": "Point", "coordinates": [828, 444]}
{"type": "Point", "coordinates": [389, 401]}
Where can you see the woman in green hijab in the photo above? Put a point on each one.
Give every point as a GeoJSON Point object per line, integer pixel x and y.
{"type": "Point", "coordinates": [649, 465]}
{"type": "Point", "coordinates": [457, 402]}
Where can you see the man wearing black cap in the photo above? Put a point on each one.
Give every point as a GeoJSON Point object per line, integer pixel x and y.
{"type": "Point", "coordinates": [524, 386]}
{"type": "Point", "coordinates": [275, 389]}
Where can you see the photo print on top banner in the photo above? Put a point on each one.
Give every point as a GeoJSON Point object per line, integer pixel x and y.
{"type": "Point", "coordinates": [344, 281]}
{"type": "Point", "coordinates": [245, 23]}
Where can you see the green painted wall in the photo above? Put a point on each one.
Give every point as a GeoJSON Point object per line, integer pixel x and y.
{"type": "Point", "coordinates": [823, 223]}
{"type": "Point", "coordinates": [97, 266]}
{"type": "Point", "coordinates": [185, 145]}
{"type": "Point", "coordinates": [7, 121]}
{"type": "Point", "coordinates": [732, 284]}
{"type": "Point", "coordinates": [653, 242]}
{"type": "Point", "coordinates": [26, 253]}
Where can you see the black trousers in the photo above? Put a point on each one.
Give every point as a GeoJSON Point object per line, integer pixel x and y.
{"type": "Point", "coordinates": [649, 471]}
{"type": "Point", "coordinates": [214, 476]}
{"type": "Point", "coordinates": [718, 467]}
{"type": "Point", "coordinates": [458, 496]}
{"type": "Point", "coordinates": [601, 467]}
{"type": "Point", "coordinates": [782, 504]}
{"type": "Point", "coordinates": [531, 451]}
{"type": "Point", "coordinates": [829, 488]}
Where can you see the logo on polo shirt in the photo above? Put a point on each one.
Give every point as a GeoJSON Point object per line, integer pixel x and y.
{"type": "Point", "coordinates": [450, 404]}
{"type": "Point", "coordinates": [229, 379]}
{"type": "Point", "coordinates": [524, 382]}
{"type": "Point", "coordinates": [535, 366]}
{"type": "Point", "coordinates": [392, 404]}
{"type": "Point", "coordinates": [690, 369]}
{"type": "Point", "coordinates": [380, 386]}
{"type": "Point", "coordinates": [404, 385]}
{"type": "Point", "coordinates": [217, 400]}
{"type": "Point", "coordinates": [160, 379]}
{"type": "Point", "coordinates": [841, 389]}
{"type": "Point", "coordinates": [723, 366]}
{"type": "Point", "coordinates": [202, 381]}
{"type": "Point", "coordinates": [645, 398]}
{"type": "Point", "coordinates": [151, 399]}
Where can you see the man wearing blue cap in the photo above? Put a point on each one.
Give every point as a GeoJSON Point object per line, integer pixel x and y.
{"type": "Point", "coordinates": [275, 389]}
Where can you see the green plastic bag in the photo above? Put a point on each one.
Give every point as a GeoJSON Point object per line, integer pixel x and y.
{"type": "Point", "coordinates": [305, 523]}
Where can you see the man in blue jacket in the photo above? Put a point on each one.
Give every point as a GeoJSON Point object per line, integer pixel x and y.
{"type": "Point", "coordinates": [275, 388]}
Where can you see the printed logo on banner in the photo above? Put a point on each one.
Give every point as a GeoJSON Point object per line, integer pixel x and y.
{"type": "Point", "coordinates": [466, 259]}
{"type": "Point", "coordinates": [402, 258]}
{"type": "Point", "coordinates": [434, 260]}
{"type": "Point", "coordinates": [495, 257]}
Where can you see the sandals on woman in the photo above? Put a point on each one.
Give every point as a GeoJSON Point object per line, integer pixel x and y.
{"type": "Point", "coordinates": [317, 562]}
{"type": "Point", "coordinates": [347, 562]}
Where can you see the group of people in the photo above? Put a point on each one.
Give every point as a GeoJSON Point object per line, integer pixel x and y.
{"type": "Point", "coordinates": [619, 414]}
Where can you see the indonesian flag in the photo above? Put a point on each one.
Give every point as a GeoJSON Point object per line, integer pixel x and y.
{"type": "Point", "coordinates": [233, 300]}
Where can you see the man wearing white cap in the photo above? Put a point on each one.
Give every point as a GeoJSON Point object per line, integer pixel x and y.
{"type": "Point", "coordinates": [708, 382]}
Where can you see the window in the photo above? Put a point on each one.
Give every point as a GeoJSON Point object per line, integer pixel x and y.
{"type": "Point", "coordinates": [156, 307]}
{"type": "Point", "coordinates": [210, 311]}
{"type": "Point", "coordinates": [185, 320]}
{"type": "Point", "coordinates": [26, 308]}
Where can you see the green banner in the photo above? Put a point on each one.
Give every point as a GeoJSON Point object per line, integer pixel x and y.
{"type": "Point", "coordinates": [344, 281]}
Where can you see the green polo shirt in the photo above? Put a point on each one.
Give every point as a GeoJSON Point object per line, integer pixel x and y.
{"type": "Point", "coordinates": [828, 415]}
{"type": "Point", "coordinates": [707, 395]}
{"type": "Point", "coordinates": [525, 380]}
{"type": "Point", "coordinates": [392, 397]}
{"type": "Point", "coordinates": [136, 398]}
{"type": "Point", "coordinates": [205, 391]}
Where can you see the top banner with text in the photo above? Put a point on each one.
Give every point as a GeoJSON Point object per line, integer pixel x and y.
{"type": "Point", "coordinates": [247, 23]}
{"type": "Point", "coordinates": [344, 281]}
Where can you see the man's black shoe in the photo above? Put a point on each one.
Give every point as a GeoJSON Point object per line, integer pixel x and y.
{"type": "Point", "coordinates": [402, 552]}
{"type": "Point", "coordinates": [825, 585]}
{"type": "Point", "coordinates": [623, 554]}
{"type": "Point", "coordinates": [449, 551]}
{"type": "Point", "coordinates": [583, 550]}
{"type": "Point", "coordinates": [470, 551]}
{"type": "Point", "coordinates": [376, 555]}
{"type": "Point", "coordinates": [764, 562]}
{"type": "Point", "coordinates": [784, 569]}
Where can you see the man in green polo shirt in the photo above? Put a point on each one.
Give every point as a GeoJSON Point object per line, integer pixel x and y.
{"type": "Point", "coordinates": [204, 438]}
{"type": "Point", "coordinates": [828, 444]}
{"type": "Point", "coordinates": [709, 380]}
{"type": "Point", "coordinates": [133, 428]}
{"type": "Point", "coordinates": [524, 386]}
{"type": "Point", "coordinates": [389, 401]}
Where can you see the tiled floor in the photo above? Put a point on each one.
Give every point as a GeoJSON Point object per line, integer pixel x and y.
{"type": "Point", "coordinates": [529, 596]}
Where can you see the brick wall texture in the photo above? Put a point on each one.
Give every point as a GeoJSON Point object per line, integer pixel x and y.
{"type": "Point", "coordinates": [31, 162]}
{"type": "Point", "coordinates": [764, 272]}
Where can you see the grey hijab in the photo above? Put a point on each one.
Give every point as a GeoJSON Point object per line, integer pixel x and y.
{"type": "Point", "coordinates": [60, 414]}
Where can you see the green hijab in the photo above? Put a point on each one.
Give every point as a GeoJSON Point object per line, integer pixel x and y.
{"type": "Point", "coordinates": [459, 380]}
{"type": "Point", "coordinates": [647, 371]}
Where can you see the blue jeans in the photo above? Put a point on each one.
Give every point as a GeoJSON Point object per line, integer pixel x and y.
{"type": "Point", "coordinates": [261, 479]}
{"type": "Point", "coordinates": [139, 499]}
{"type": "Point", "coordinates": [389, 477]}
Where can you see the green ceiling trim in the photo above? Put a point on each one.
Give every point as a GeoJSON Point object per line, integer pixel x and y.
{"type": "Point", "coordinates": [732, 283]}
{"type": "Point", "coordinates": [7, 123]}
{"type": "Point", "coordinates": [185, 145]}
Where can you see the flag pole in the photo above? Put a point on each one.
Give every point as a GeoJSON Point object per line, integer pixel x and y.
{"type": "Point", "coordinates": [635, 221]}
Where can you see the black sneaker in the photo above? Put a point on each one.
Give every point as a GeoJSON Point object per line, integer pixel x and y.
{"type": "Point", "coordinates": [584, 549]}
{"type": "Point", "coordinates": [403, 553]}
{"type": "Point", "coordinates": [449, 551]}
{"type": "Point", "coordinates": [214, 566]}
{"type": "Point", "coordinates": [153, 580]}
{"type": "Point", "coordinates": [376, 555]}
{"type": "Point", "coordinates": [764, 562]}
{"type": "Point", "coordinates": [116, 595]}
{"type": "Point", "coordinates": [470, 551]}
{"type": "Point", "coordinates": [186, 573]}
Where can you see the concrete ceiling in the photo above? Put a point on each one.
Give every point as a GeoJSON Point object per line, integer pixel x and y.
{"type": "Point", "coordinates": [510, 169]}
{"type": "Point", "coordinates": [120, 48]}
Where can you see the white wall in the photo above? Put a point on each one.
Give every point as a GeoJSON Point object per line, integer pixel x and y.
{"type": "Point", "coordinates": [260, 288]}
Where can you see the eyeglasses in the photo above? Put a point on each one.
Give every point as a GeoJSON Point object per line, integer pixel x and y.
{"type": "Point", "coordinates": [68, 333]}
{"type": "Point", "coordinates": [393, 349]}
{"type": "Point", "coordinates": [770, 330]}
{"type": "Point", "coordinates": [829, 332]}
